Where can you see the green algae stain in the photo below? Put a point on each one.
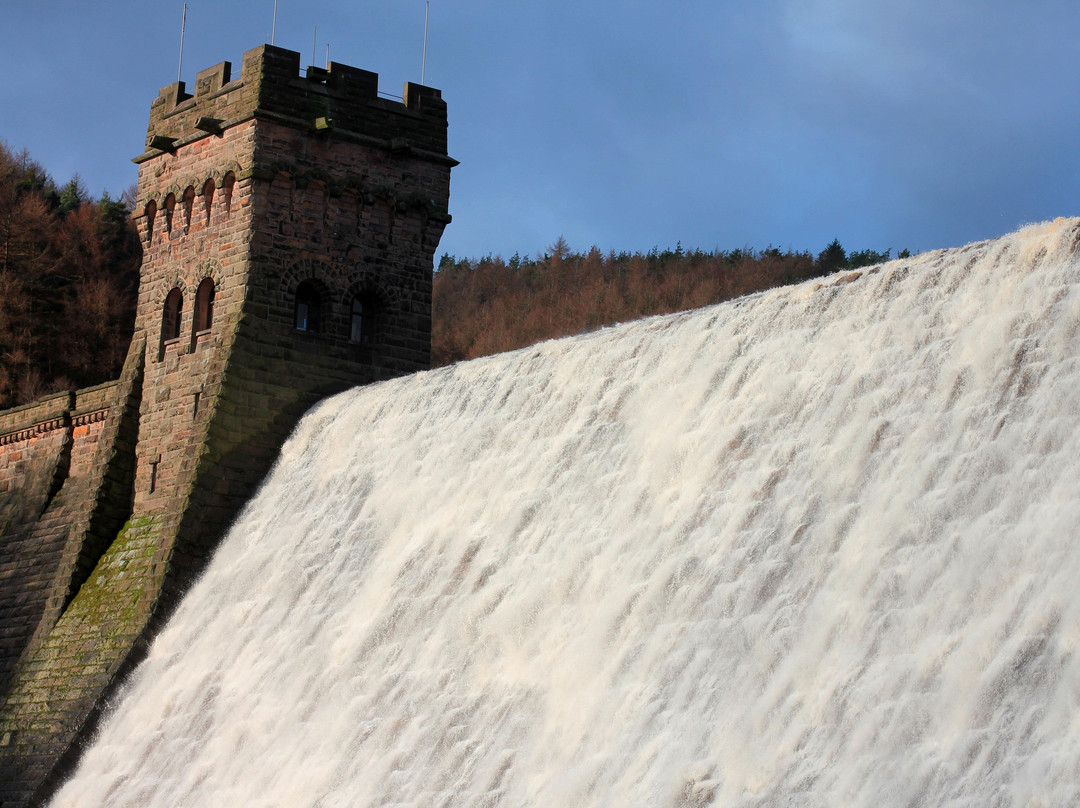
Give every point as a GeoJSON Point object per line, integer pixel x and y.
{"type": "Point", "coordinates": [111, 596]}
{"type": "Point", "coordinates": [92, 637]}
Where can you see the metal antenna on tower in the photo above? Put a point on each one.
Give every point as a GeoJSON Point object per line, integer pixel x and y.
{"type": "Point", "coordinates": [273, 25]}
{"type": "Point", "coordinates": [423, 61]}
{"type": "Point", "coordinates": [314, 34]}
{"type": "Point", "coordinates": [183, 25]}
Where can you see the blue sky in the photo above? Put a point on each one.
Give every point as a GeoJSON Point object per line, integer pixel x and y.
{"type": "Point", "coordinates": [632, 124]}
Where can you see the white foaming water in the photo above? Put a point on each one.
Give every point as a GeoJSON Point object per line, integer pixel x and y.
{"type": "Point", "coordinates": [814, 547]}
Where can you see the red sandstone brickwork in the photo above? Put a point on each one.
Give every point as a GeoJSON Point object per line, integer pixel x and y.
{"type": "Point", "coordinates": [28, 468]}
{"type": "Point", "coordinates": [183, 374]}
{"type": "Point", "coordinates": [46, 455]}
{"type": "Point", "coordinates": [84, 442]}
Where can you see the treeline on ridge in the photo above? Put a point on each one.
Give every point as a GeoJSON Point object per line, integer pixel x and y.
{"type": "Point", "coordinates": [69, 270]}
{"type": "Point", "coordinates": [490, 305]}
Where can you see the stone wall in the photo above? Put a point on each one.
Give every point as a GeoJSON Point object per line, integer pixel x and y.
{"type": "Point", "coordinates": [48, 558]}
{"type": "Point", "coordinates": [35, 448]}
{"type": "Point", "coordinates": [49, 473]}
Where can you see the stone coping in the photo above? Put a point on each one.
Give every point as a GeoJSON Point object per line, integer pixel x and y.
{"type": "Point", "coordinates": [77, 407]}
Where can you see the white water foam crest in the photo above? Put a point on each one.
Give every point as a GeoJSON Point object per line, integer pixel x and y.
{"type": "Point", "coordinates": [814, 547]}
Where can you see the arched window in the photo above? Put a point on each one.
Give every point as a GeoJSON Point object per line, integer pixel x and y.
{"type": "Point", "coordinates": [151, 213]}
{"type": "Point", "coordinates": [363, 317]}
{"type": "Point", "coordinates": [204, 305]}
{"type": "Point", "coordinates": [228, 183]}
{"type": "Point", "coordinates": [189, 205]}
{"type": "Point", "coordinates": [170, 207]}
{"type": "Point", "coordinates": [208, 197]}
{"type": "Point", "coordinates": [170, 316]}
{"type": "Point", "coordinates": [308, 307]}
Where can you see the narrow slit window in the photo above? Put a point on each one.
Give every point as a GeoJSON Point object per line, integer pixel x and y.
{"type": "Point", "coordinates": [362, 320]}
{"type": "Point", "coordinates": [170, 208]}
{"type": "Point", "coordinates": [307, 308]}
{"type": "Point", "coordinates": [204, 306]}
{"type": "Point", "coordinates": [208, 198]}
{"type": "Point", "coordinates": [356, 329]}
{"type": "Point", "coordinates": [189, 205]}
{"type": "Point", "coordinates": [228, 185]}
{"type": "Point", "coordinates": [151, 214]}
{"type": "Point", "coordinates": [170, 316]}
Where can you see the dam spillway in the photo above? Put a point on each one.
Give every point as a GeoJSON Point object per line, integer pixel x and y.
{"type": "Point", "coordinates": [817, 546]}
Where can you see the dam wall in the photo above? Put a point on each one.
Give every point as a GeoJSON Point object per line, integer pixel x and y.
{"type": "Point", "coordinates": [813, 547]}
{"type": "Point", "coordinates": [62, 460]}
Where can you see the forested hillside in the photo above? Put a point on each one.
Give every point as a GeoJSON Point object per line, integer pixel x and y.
{"type": "Point", "coordinates": [69, 266]}
{"type": "Point", "coordinates": [490, 305]}
{"type": "Point", "coordinates": [69, 269]}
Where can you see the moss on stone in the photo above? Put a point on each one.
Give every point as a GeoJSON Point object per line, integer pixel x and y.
{"type": "Point", "coordinates": [111, 595]}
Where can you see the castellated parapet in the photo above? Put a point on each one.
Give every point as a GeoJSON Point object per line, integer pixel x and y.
{"type": "Point", "coordinates": [270, 87]}
{"type": "Point", "coordinates": [289, 223]}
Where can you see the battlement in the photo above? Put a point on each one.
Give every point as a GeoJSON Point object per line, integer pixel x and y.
{"type": "Point", "coordinates": [338, 101]}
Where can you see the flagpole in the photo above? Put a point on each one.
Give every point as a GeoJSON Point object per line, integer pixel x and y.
{"type": "Point", "coordinates": [423, 62]}
{"type": "Point", "coordinates": [183, 25]}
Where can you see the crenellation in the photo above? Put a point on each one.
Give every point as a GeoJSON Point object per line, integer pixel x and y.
{"type": "Point", "coordinates": [212, 79]}
{"type": "Point", "coordinates": [339, 101]}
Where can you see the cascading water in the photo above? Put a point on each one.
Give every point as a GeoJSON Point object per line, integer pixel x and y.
{"type": "Point", "coordinates": [815, 547]}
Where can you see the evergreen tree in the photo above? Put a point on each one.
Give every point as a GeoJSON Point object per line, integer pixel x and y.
{"type": "Point", "coordinates": [831, 258]}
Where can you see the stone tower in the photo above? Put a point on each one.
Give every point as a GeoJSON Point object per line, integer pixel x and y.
{"type": "Point", "coordinates": [289, 224]}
